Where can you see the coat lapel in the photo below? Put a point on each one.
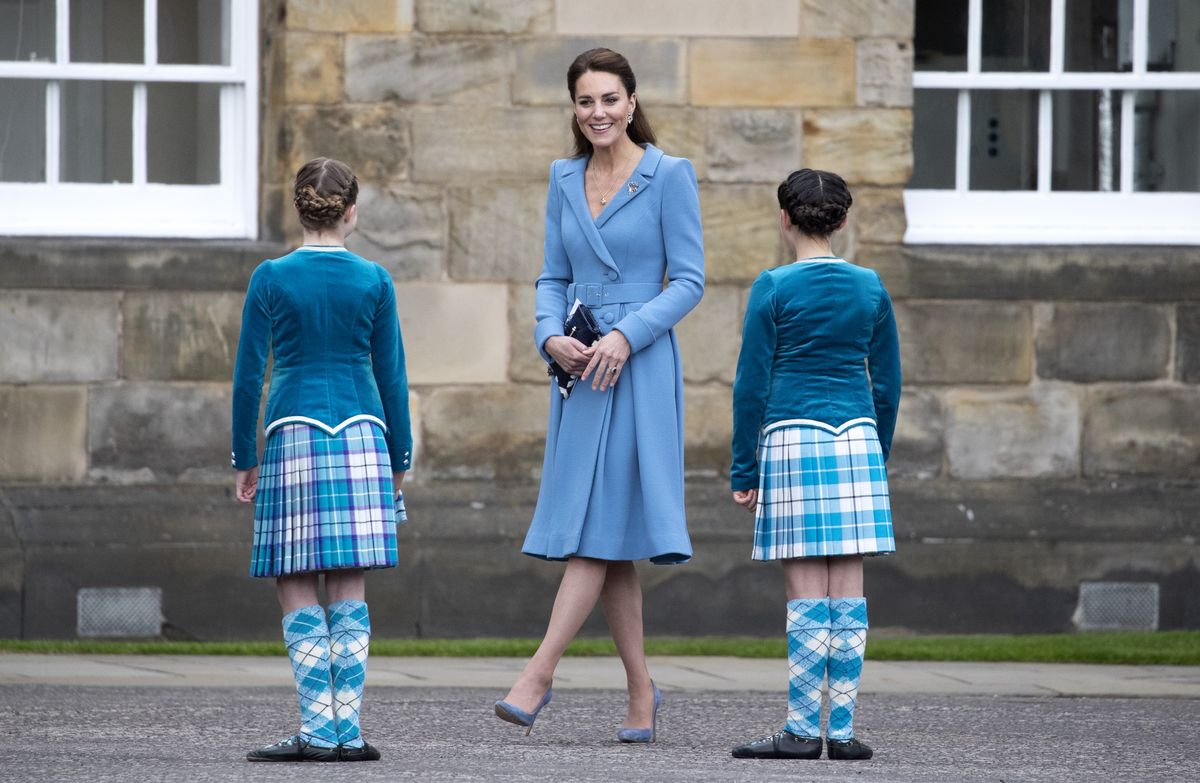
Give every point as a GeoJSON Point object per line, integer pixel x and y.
{"type": "Point", "coordinates": [572, 184]}
{"type": "Point", "coordinates": [633, 187]}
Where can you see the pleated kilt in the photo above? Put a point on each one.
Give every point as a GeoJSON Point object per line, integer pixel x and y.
{"type": "Point", "coordinates": [822, 493]}
{"type": "Point", "coordinates": [325, 501]}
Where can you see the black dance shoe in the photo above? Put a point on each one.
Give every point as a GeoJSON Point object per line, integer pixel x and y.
{"type": "Point", "coordinates": [367, 752]}
{"type": "Point", "coordinates": [784, 745]}
{"type": "Point", "coordinates": [294, 748]}
{"type": "Point", "coordinates": [849, 750]}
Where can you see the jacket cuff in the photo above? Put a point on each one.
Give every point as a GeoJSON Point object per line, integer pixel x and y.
{"type": "Point", "coordinates": [546, 328]}
{"type": "Point", "coordinates": [636, 331]}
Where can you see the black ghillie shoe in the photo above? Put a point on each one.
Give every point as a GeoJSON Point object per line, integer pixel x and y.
{"type": "Point", "coordinates": [784, 745]}
{"type": "Point", "coordinates": [849, 750]}
{"type": "Point", "coordinates": [294, 748]}
{"type": "Point", "coordinates": [367, 752]}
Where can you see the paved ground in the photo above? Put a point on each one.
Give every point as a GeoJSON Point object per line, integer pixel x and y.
{"type": "Point", "coordinates": [92, 718]}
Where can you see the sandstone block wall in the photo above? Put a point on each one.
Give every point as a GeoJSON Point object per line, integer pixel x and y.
{"type": "Point", "coordinates": [1048, 432]}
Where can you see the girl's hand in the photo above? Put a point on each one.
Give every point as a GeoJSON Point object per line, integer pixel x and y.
{"type": "Point", "coordinates": [397, 480]}
{"type": "Point", "coordinates": [247, 484]}
{"type": "Point", "coordinates": [608, 358]}
{"type": "Point", "coordinates": [568, 352]}
{"type": "Point", "coordinates": [746, 498]}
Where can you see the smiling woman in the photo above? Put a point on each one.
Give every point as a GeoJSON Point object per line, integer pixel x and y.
{"type": "Point", "coordinates": [620, 217]}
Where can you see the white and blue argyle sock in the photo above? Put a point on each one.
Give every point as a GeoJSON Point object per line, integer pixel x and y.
{"type": "Point", "coordinates": [350, 636]}
{"type": "Point", "coordinates": [847, 643]}
{"type": "Point", "coordinates": [808, 649]}
{"type": "Point", "coordinates": [307, 637]}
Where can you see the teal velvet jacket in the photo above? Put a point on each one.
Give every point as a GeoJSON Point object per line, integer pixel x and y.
{"type": "Point", "coordinates": [330, 318]}
{"type": "Point", "coordinates": [813, 331]}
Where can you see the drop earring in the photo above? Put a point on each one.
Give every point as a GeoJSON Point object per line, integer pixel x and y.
{"type": "Point", "coordinates": [629, 118]}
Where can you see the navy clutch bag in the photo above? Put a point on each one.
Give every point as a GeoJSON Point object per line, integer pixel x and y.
{"type": "Point", "coordinates": [581, 325]}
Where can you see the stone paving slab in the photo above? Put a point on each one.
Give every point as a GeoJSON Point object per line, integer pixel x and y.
{"type": "Point", "coordinates": [681, 673]}
{"type": "Point", "coordinates": [101, 734]}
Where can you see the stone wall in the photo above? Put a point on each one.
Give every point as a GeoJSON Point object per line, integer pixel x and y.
{"type": "Point", "coordinates": [1049, 431]}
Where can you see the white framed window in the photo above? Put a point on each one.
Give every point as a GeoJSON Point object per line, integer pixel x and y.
{"type": "Point", "coordinates": [1056, 121]}
{"type": "Point", "coordinates": [134, 118]}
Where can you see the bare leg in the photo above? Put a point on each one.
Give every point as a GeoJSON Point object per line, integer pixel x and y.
{"type": "Point", "coordinates": [345, 584]}
{"type": "Point", "coordinates": [296, 591]}
{"type": "Point", "coordinates": [846, 576]}
{"type": "Point", "coordinates": [577, 594]}
{"type": "Point", "coordinates": [808, 577]}
{"type": "Point", "coordinates": [622, 598]}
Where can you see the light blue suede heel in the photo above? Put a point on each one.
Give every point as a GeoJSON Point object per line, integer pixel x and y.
{"type": "Point", "coordinates": [644, 735]}
{"type": "Point", "coordinates": [514, 714]}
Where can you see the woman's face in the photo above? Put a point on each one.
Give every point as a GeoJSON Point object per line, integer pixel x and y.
{"type": "Point", "coordinates": [601, 106]}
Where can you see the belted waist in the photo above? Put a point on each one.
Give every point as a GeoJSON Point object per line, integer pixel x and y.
{"type": "Point", "coordinates": [601, 294]}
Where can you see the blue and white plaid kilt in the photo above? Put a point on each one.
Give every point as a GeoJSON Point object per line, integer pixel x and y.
{"type": "Point", "coordinates": [325, 501]}
{"type": "Point", "coordinates": [822, 494]}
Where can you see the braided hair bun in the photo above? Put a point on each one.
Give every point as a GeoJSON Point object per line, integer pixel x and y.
{"type": "Point", "coordinates": [325, 188]}
{"type": "Point", "coordinates": [816, 201]}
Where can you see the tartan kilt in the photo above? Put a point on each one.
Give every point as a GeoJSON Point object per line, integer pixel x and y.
{"type": "Point", "coordinates": [324, 501]}
{"type": "Point", "coordinates": [822, 494]}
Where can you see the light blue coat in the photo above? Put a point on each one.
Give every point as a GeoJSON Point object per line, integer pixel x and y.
{"type": "Point", "coordinates": [612, 479]}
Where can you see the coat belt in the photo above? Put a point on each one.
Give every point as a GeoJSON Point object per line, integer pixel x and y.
{"type": "Point", "coordinates": [601, 294]}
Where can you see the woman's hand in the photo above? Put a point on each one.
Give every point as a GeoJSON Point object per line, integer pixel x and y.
{"type": "Point", "coordinates": [397, 480]}
{"type": "Point", "coordinates": [568, 352]}
{"type": "Point", "coordinates": [608, 357]}
{"type": "Point", "coordinates": [247, 484]}
{"type": "Point", "coordinates": [746, 498]}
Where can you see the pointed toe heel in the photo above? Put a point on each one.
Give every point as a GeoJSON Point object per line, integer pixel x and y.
{"type": "Point", "coordinates": [644, 735]}
{"type": "Point", "coordinates": [514, 714]}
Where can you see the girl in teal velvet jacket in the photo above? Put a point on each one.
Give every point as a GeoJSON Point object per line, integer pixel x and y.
{"type": "Point", "coordinates": [814, 408]}
{"type": "Point", "coordinates": [327, 495]}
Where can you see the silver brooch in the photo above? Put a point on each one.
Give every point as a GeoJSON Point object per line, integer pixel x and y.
{"type": "Point", "coordinates": [633, 186]}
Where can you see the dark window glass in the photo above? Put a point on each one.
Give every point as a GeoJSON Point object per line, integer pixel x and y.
{"type": "Point", "coordinates": [27, 30]}
{"type": "Point", "coordinates": [935, 123]}
{"type": "Point", "coordinates": [183, 144]}
{"type": "Point", "coordinates": [193, 32]}
{"type": "Point", "coordinates": [22, 130]}
{"type": "Point", "coordinates": [96, 139]}
{"type": "Point", "coordinates": [940, 36]}
{"type": "Point", "coordinates": [108, 31]}
{"type": "Point", "coordinates": [1016, 35]}
{"type": "Point", "coordinates": [1004, 140]}
{"type": "Point", "coordinates": [1086, 152]}
{"type": "Point", "coordinates": [1166, 141]}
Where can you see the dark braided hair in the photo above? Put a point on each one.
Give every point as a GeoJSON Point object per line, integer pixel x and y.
{"type": "Point", "coordinates": [816, 201]}
{"type": "Point", "coordinates": [325, 188]}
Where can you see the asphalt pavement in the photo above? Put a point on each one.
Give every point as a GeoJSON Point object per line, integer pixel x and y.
{"type": "Point", "coordinates": [190, 718]}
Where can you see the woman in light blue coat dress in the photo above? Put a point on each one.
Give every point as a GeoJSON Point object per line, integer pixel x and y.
{"type": "Point", "coordinates": [620, 217]}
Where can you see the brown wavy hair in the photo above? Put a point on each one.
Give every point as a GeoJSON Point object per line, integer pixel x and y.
{"type": "Point", "coordinates": [325, 188]}
{"type": "Point", "coordinates": [608, 61]}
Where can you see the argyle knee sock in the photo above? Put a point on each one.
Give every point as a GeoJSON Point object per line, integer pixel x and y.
{"type": "Point", "coordinates": [847, 643]}
{"type": "Point", "coordinates": [808, 649]}
{"type": "Point", "coordinates": [350, 635]}
{"type": "Point", "coordinates": [307, 637]}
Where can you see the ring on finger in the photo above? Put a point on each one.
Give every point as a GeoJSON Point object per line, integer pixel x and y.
{"type": "Point", "coordinates": [614, 368]}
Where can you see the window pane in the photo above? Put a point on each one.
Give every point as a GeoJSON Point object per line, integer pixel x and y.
{"type": "Point", "coordinates": [1087, 140]}
{"type": "Point", "coordinates": [935, 123]}
{"type": "Point", "coordinates": [940, 37]}
{"type": "Point", "coordinates": [1016, 35]}
{"type": "Point", "coordinates": [193, 32]}
{"type": "Point", "coordinates": [1174, 36]}
{"type": "Point", "coordinates": [183, 134]}
{"type": "Point", "coordinates": [107, 31]}
{"type": "Point", "coordinates": [27, 30]}
{"type": "Point", "coordinates": [1003, 140]}
{"type": "Point", "coordinates": [97, 132]}
{"type": "Point", "coordinates": [1098, 35]}
{"type": "Point", "coordinates": [1166, 141]}
{"type": "Point", "coordinates": [22, 130]}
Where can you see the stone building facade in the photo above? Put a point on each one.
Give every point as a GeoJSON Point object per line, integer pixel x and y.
{"type": "Point", "coordinates": [1049, 432]}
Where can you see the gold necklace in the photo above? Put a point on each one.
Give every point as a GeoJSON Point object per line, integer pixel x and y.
{"type": "Point", "coordinates": [612, 185]}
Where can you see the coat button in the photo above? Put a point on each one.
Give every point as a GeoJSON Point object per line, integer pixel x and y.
{"type": "Point", "coordinates": [612, 275]}
{"type": "Point", "coordinates": [608, 318]}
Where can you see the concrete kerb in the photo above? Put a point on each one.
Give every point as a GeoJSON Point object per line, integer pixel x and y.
{"type": "Point", "coordinates": [679, 673]}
